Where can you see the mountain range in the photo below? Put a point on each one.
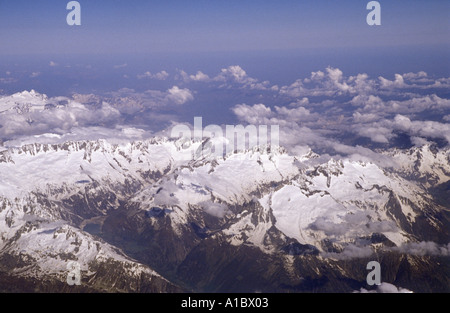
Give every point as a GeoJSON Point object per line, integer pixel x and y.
{"type": "Point", "coordinates": [139, 216]}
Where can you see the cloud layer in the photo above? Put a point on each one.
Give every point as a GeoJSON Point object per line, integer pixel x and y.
{"type": "Point", "coordinates": [385, 288]}
{"type": "Point", "coordinates": [326, 111]}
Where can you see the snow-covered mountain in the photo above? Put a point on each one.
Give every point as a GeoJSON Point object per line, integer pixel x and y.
{"type": "Point", "coordinates": [23, 102]}
{"type": "Point", "coordinates": [253, 220]}
{"type": "Point", "coordinates": [152, 216]}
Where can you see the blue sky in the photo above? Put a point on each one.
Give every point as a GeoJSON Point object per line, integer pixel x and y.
{"type": "Point", "coordinates": [122, 27]}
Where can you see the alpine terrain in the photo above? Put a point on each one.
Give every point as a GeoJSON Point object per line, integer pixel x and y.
{"type": "Point", "coordinates": [144, 216]}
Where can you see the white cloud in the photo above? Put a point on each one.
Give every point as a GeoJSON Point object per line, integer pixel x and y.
{"type": "Point", "coordinates": [298, 114]}
{"type": "Point", "coordinates": [362, 84]}
{"type": "Point", "coordinates": [399, 82]}
{"type": "Point", "coordinates": [368, 102]}
{"type": "Point", "coordinates": [294, 90]}
{"type": "Point", "coordinates": [8, 80]}
{"type": "Point", "coordinates": [179, 96]}
{"type": "Point", "coordinates": [418, 104]}
{"type": "Point", "coordinates": [294, 135]}
{"type": "Point", "coordinates": [120, 66]}
{"type": "Point", "coordinates": [233, 73]}
{"type": "Point", "coordinates": [215, 209]}
{"type": "Point", "coordinates": [166, 195]}
{"type": "Point", "coordinates": [415, 76]}
{"type": "Point", "coordinates": [200, 76]}
{"type": "Point", "coordinates": [331, 83]}
{"type": "Point", "coordinates": [419, 79]}
{"type": "Point", "coordinates": [424, 248]}
{"type": "Point", "coordinates": [182, 75]}
{"type": "Point", "coordinates": [336, 76]}
{"type": "Point", "coordinates": [39, 114]}
{"type": "Point", "coordinates": [261, 114]}
{"type": "Point", "coordinates": [256, 114]}
{"type": "Point", "coordinates": [419, 142]}
{"type": "Point", "coordinates": [117, 134]}
{"type": "Point", "coordinates": [163, 75]}
{"type": "Point", "coordinates": [236, 75]}
{"type": "Point", "coordinates": [422, 128]}
{"type": "Point", "coordinates": [367, 92]}
{"type": "Point", "coordinates": [365, 117]}
{"type": "Point", "coordinates": [370, 112]}
{"type": "Point", "coordinates": [350, 251]}
{"type": "Point", "coordinates": [376, 134]}
{"type": "Point", "coordinates": [402, 122]}
{"type": "Point", "coordinates": [131, 102]}
{"type": "Point", "coordinates": [53, 64]}
{"type": "Point", "coordinates": [145, 75]}
{"type": "Point", "coordinates": [327, 111]}
{"type": "Point", "coordinates": [300, 102]}
{"type": "Point", "coordinates": [385, 288]}
{"type": "Point", "coordinates": [319, 75]}
{"type": "Point", "coordinates": [441, 83]}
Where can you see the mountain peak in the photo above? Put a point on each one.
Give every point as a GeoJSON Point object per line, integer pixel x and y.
{"type": "Point", "coordinates": [29, 94]}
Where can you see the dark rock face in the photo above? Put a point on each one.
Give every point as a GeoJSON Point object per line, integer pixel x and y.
{"type": "Point", "coordinates": [208, 263]}
{"type": "Point", "coordinates": [107, 277]}
{"type": "Point", "coordinates": [155, 212]}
